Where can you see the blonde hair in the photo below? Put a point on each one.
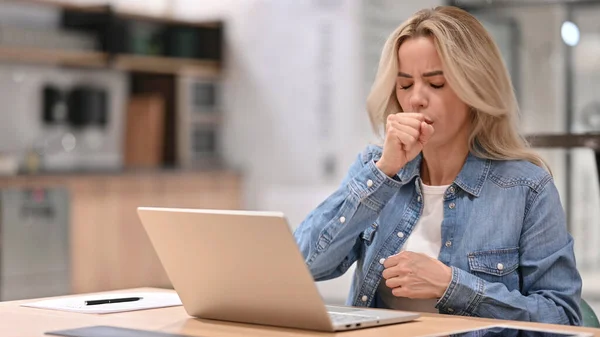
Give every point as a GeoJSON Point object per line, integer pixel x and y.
{"type": "Point", "coordinates": [474, 69]}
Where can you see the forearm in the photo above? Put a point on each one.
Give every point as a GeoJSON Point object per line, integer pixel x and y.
{"type": "Point", "coordinates": [470, 295]}
{"type": "Point", "coordinates": [328, 237]}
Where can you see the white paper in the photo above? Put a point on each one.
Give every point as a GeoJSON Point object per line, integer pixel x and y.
{"type": "Point", "coordinates": [149, 300]}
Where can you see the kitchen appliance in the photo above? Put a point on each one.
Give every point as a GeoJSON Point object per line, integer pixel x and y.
{"type": "Point", "coordinates": [87, 106]}
{"type": "Point", "coordinates": [72, 117]}
{"type": "Point", "coordinates": [199, 123]}
{"type": "Point", "coordinates": [34, 243]}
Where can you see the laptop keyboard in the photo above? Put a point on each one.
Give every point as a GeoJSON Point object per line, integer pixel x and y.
{"type": "Point", "coordinates": [339, 318]}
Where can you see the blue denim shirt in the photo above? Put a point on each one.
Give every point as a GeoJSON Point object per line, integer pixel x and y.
{"type": "Point", "coordinates": [503, 234]}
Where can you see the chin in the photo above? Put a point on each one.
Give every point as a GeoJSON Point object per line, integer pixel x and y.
{"type": "Point", "coordinates": [434, 142]}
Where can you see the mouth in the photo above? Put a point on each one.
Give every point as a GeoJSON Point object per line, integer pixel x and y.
{"type": "Point", "coordinates": [428, 120]}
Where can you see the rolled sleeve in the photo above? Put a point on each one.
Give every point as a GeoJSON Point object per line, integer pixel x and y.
{"type": "Point", "coordinates": [373, 187]}
{"type": "Point", "coordinates": [462, 295]}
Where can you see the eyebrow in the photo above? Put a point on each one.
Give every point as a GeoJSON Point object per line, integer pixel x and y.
{"type": "Point", "coordinates": [429, 74]}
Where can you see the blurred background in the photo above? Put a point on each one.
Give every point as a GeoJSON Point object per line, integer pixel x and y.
{"type": "Point", "coordinates": [238, 104]}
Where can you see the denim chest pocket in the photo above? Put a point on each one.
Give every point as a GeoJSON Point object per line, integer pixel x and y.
{"type": "Point", "coordinates": [368, 235]}
{"type": "Point", "coordinates": [496, 265]}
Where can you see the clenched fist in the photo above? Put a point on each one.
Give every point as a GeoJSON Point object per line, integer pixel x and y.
{"type": "Point", "coordinates": [416, 275]}
{"type": "Point", "coordinates": [405, 136]}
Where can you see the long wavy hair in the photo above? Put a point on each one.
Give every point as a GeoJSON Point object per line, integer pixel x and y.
{"type": "Point", "coordinates": [473, 67]}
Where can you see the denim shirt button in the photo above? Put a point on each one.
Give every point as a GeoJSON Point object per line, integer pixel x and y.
{"type": "Point", "coordinates": [450, 310]}
{"type": "Point", "coordinates": [369, 183]}
{"type": "Point", "coordinates": [451, 189]}
{"type": "Point", "coordinates": [452, 205]}
{"type": "Point", "coordinates": [400, 235]}
{"type": "Point", "coordinates": [500, 266]}
{"type": "Point", "coordinates": [419, 198]}
{"type": "Point", "coordinates": [448, 243]}
{"type": "Point", "coordinates": [343, 219]}
{"type": "Point", "coordinates": [364, 298]}
{"type": "Point", "coordinates": [382, 260]}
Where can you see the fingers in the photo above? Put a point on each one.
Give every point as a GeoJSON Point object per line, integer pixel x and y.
{"type": "Point", "coordinates": [406, 135]}
{"type": "Point", "coordinates": [400, 292]}
{"type": "Point", "coordinates": [410, 128]}
{"type": "Point", "coordinates": [397, 265]}
{"type": "Point", "coordinates": [389, 273]}
{"type": "Point", "coordinates": [417, 116]}
{"type": "Point", "coordinates": [412, 120]}
{"type": "Point", "coordinates": [404, 131]}
{"type": "Point", "coordinates": [391, 261]}
{"type": "Point", "coordinates": [414, 115]}
{"type": "Point", "coordinates": [397, 271]}
{"type": "Point", "coordinates": [427, 131]}
{"type": "Point", "coordinates": [397, 285]}
{"type": "Point", "coordinates": [415, 275]}
{"type": "Point", "coordinates": [414, 133]}
{"type": "Point", "coordinates": [395, 282]}
{"type": "Point", "coordinates": [396, 259]}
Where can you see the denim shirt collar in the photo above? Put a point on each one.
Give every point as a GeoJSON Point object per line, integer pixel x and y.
{"type": "Point", "coordinates": [470, 178]}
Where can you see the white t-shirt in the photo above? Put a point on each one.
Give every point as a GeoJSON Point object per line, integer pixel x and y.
{"type": "Point", "coordinates": [425, 238]}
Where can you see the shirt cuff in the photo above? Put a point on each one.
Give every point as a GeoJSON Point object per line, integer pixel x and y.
{"type": "Point", "coordinates": [373, 187]}
{"type": "Point", "coordinates": [463, 295]}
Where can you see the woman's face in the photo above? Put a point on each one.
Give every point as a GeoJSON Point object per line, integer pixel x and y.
{"type": "Point", "coordinates": [422, 87]}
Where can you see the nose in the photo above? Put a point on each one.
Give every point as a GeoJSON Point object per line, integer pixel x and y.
{"type": "Point", "coordinates": [418, 100]}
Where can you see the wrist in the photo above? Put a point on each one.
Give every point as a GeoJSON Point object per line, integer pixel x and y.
{"type": "Point", "coordinates": [447, 280]}
{"type": "Point", "coordinates": [390, 172]}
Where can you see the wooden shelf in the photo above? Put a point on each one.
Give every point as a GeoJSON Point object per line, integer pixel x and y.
{"type": "Point", "coordinates": [124, 62]}
{"type": "Point", "coordinates": [139, 63]}
{"type": "Point", "coordinates": [62, 4]}
{"type": "Point", "coordinates": [565, 140]}
{"type": "Point", "coordinates": [53, 57]}
{"type": "Point", "coordinates": [67, 5]}
{"type": "Point", "coordinates": [166, 65]}
{"type": "Point", "coordinates": [165, 19]}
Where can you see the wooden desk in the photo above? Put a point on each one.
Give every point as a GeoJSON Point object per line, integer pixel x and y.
{"type": "Point", "coordinates": [19, 321]}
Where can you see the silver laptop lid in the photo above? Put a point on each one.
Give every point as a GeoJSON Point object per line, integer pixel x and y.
{"type": "Point", "coordinates": [236, 266]}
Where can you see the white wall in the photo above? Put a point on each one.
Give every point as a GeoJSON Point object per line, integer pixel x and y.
{"type": "Point", "coordinates": [293, 101]}
{"type": "Point", "coordinates": [284, 57]}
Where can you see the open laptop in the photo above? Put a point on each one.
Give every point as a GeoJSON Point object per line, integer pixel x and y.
{"type": "Point", "coordinates": [246, 267]}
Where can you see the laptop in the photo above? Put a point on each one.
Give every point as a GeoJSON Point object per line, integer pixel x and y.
{"type": "Point", "coordinates": [245, 266]}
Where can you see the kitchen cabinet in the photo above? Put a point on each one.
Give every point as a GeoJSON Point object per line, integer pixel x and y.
{"type": "Point", "coordinates": [108, 246]}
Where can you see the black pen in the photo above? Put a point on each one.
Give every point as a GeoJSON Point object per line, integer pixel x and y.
{"type": "Point", "coordinates": [113, 300]}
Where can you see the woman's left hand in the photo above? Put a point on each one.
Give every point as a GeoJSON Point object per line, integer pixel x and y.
{"type": "Point", "coordinates": [416, 275]}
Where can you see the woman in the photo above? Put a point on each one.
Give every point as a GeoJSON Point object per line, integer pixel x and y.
{"type": "Point", "coordinates": [454, 214]}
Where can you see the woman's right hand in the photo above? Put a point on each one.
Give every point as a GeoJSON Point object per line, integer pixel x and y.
{"type": "Point", "coordinates": [405, 136]}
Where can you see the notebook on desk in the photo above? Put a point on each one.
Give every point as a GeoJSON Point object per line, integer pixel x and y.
{"type": "Point", "coordinates": [246, 267]}
{"type": "Point", "coordinates": [109, 303]}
